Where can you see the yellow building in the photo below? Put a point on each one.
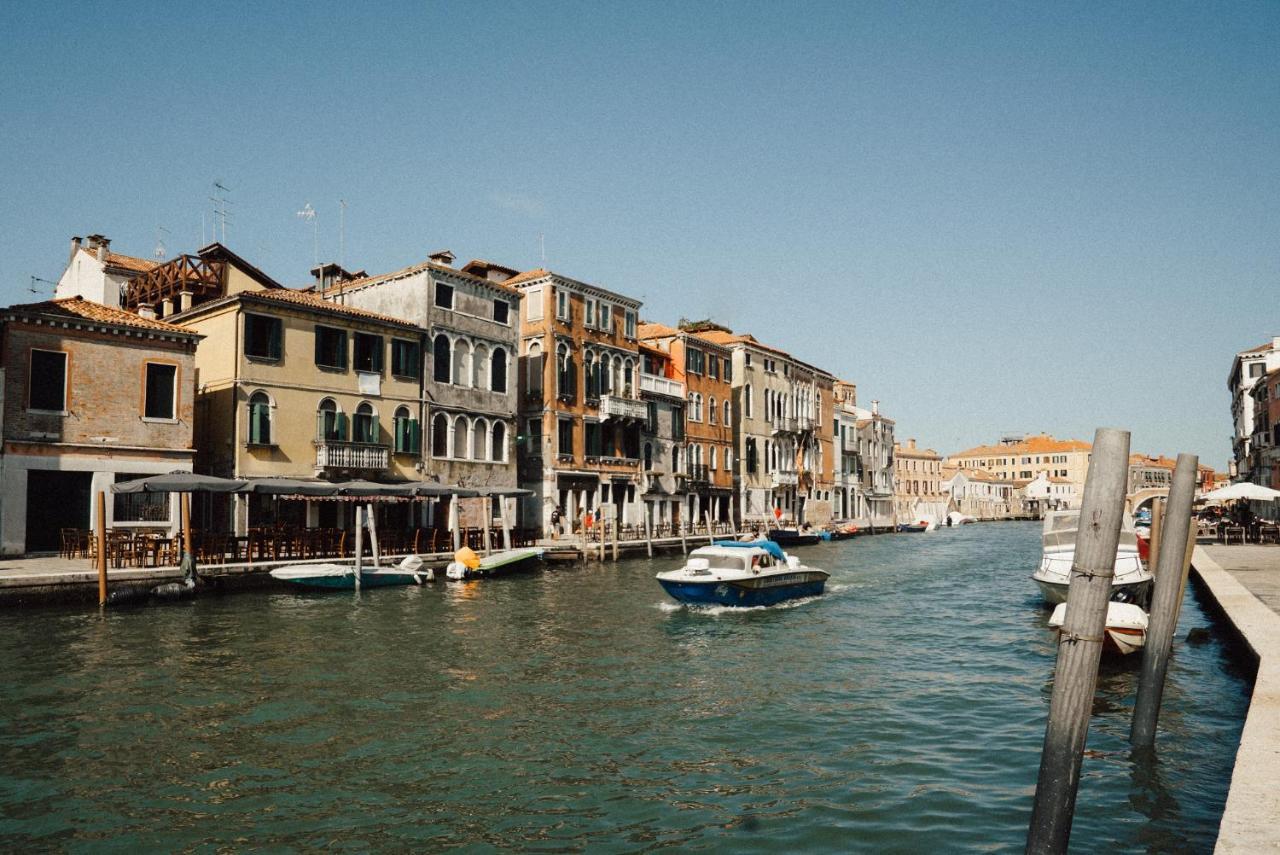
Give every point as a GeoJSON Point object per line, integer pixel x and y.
{"type": "Point", "coordinates": [288, 384]}
{"type": "Point", "coordinates": [1026, 458]}
{"type": "Point", "coordinates": [917, 479]}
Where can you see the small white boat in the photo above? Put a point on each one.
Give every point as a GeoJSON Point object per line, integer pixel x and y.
{"type": "Point", "coordinates": [497, 564]}
{"type": "Point", "coordinates": [742, 573]}
{"type": "Point", "coordinates": [343, 576]}
{"type": "Point", "coordinates": [1126, 627]}
{"type": "Point", "coordinates": [1132, 581]}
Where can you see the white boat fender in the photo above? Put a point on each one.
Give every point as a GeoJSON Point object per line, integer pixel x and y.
{"type": "Point", "coordinates": [456, 570]}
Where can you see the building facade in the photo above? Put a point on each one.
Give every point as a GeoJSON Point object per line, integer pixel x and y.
{"type": "Point", "coordinates": [663, 453]}
{"type": "Point", "coordinates": [917, 474]}
{"type": "Point", "coordinates": [876, 462]}
{"type": "Point", "coordinates": [581, 412]}
{"type": "Point", "coordinates": [1247, 368]}
{"type": "Point", "coordinates": [980, 494]}
{"type": "Point", "coordinates": [97, 274]}
{"type": "Point", "coordinates": [1022, 459]}
{"type": "Point", "coordinates": [92, 395]}
{"type": "Point", "coordinates": [471, 323]}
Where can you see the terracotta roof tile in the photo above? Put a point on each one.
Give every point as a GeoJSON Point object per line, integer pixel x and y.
{"type": "Point", "coordinates": [1042, 444]}
{"type": "Point", "coordinates": [79, 309]}
{"type": "Point", "coordinates": [314, 301]}
{"type": "Point", "coordinates": [418, 268]}
{"type": "Point", "coordinates": [655, 330]}
{"type": "Point", "coordinates": [124, 262]}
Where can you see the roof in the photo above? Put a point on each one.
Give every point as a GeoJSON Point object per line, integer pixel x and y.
{"type": "Point", "coordinates": [1148, 460]}
{"type": "Point", "coordinates": [1265, 347]}
{"type": "Point", "coordinates": [419, 268]}
{"type": "Point", "coordinates": [301, 299]}
{"type": "Point", "coordinates": [79, 309]}
{"type": "Point", "coordinates": [482, 264]}
{"type": "Point", "coordinates": [124, 262]}
{"type": "Point", "coordinates": [648, 329]}
{"type": "Point", "coordinates": [905, 451]}
{"type": "Point", "coordinates": [529, 275]}
{"type": "Point", "coordinates": [1041, 444]}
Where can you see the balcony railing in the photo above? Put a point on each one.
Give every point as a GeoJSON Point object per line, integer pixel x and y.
{"type": "Point", "coordinates": [784, 424]}
{"type": "Point", "coordinates": [804, 423]}
{"type": "Point", "coordinates": [622, 408]}
{"type": "Point", "coordinates": [699, 474]}
{"type": "Point", "coordinates": [785, 479]}
{"type": "Point", "coordinates": [661, 386]}
{"type": "Point", "coordinates": [850, 443]}
{"type": "Point", "coordinates": [351, 455]}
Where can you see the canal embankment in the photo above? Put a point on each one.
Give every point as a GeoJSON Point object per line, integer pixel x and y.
{"type": "Point", "coordinates": [1244, 581]}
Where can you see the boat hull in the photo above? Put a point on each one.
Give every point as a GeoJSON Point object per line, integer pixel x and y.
{"type": "Point", "coordinates": [1131, 592]}
{"type": "Point", "coordinates": [765, 591]}
{"type": "Point", "coordinates": [501, 564]}
{"type": "Point", "coordinates": [347, 581]}
{"type": "Point", "coordinates": [784, 537]}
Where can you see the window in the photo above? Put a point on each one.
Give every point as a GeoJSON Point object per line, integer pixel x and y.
{"type": "Point", "coordinates": [262, 336]}
{"type": "Point", "coordinates": [331, 423]}
{"type": "Point", "coordinates": [440, 435]}
{"type": "Point", "coordinates": [140, 507]}
{"type": "Point", "coordinates": [440, 355]}
{"type": "Point", "coordinates": [727, 411]}
{"type": "Point", "coordinates": [713, 366]}
{"type": "Point", "coordinates": [461, 363]}
{"type": "Point", "coordinates": [501, 311]}
{"type": "Point", "coordinates": [694, 360]}
{"type": "Point", "coordinates": [480, 365]}
{"type": "Point", "coordinates": [677, 423]}
{"type": "Point", "coordinates": [590, 375]}
{"type": "Point", "coordinates": [564, 437]}
{"type": "Point", "coordinates": [533, 305]}
{"type": "Point", "coordinates": [562, 305]}
{"type": "Point", "coordinates": [711, 410]}
{"type": "Point", "coordinates": [648, 457]}
{"type": "Point", "coordinates": [594, 443]}
{"type": "Point", "coordinates": [460, 445]}
{"type": "Point", "coordinates": [533, 366]}
{"type": "Point", "coordinates": [498, 443]}
{"type": "Point", "coordinates": [408, 432]}
{"type": "Point", "coordinates": [444, 295]}
{"type": "Point", "coordinates": [259, 419]}
{"type": "Point", "coordinates": [566, 377]}
{"type": "Point", "coordinates": [498, 370]}
{"type": "Point", "coordinates": [47, 386]}
{"type": "Point", "coordinates": [751, 454]}
{"type": "Point", "coordinates": [748, 398]}
{"type": "Point", "coordinates": [606, 317]}
{"type": "Point", "coordinates": [479, 436]}
{"type": "Point", "coordinates": [1255, 370]}
{"type": "Point", "coordinates": [589, 317]}
{"type": "Point", "coordinates": [629, 324]}
{"type": "Point", "coordinates": [368, 353]}
{"type": "Point", "coordinates": [651, 420]}
{"type": "Point", "coordinates": [331, 347]}
{"type": "Point", "coordinates": [711, 461]}
{"type": "Point", "coordinates": [406, 357]}
{"type": "Point", "coordinates": [365, 424]}
{"type": "Point", "coordinates": [728, 371]}
{"type": "Point", "coordinates": [728, 459]}
{"type": "Point", "coordinates": [162, 387]}
{"type": "Point", "coordinates": [746, 359]}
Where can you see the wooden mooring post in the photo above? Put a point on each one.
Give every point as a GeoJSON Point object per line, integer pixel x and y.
{"type": "Point", "coordinates": [359, 542]}
{"type": "Point", "coordinates": [1080, 643]}
{"type": "Point", "coordinates": [1157, 531]}
{"type": "Point", "coordinates": [102, 548]}
{"type": "Point", "coordinates": [648, 533]}
{"type": "Point", "coordinates": [1165, 597]}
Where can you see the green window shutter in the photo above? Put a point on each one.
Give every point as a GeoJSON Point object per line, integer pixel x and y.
{"type": "Point", "coordinates": [274, 344]}
{"type": "Point", "coordinates": [374, 429]}
{"type": "Point", "coordinates": [416, 427]}
{"type": "Point", "coordinates": [340, 428]}
{"type": "Point", "coordinates": [319, 348]}
{"type": "Point", "coordinates": [401, 434]}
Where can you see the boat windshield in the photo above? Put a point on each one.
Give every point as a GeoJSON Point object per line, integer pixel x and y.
{"type": "Point", "coordinates": [1060, 529]}
{"type": "Point", "coordinates": [720, 561]}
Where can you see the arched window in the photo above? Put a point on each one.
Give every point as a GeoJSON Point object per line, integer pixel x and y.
{"type": "Point", "coordinates": [498, 443]}
{"type": "Point", "coordinates": [712, 462]}
{"type": "Point", "coordinates": [628, 379]}
{"type": "Point", "coordinates": [590, 374]}
{"type": "Point", "coordinates": [693, 406]}
{"type": "Point", "coordinates": [480, 374]}
{"type": "Point", "coordinates": [259, 419]}
{"type": "Point", "coordinates": [365, 424]}
{"type": "Point", "coordinates": [675, 459]}
{"type": "Point", "coordinates": [533, 366]}
{"type": "Point", "coordinates": [479, 436]}
{"type": "Point", "coordinates": [461, 363]}
{"type": "Point", "coordinates": [440, 435]}
{"type": "Point", "coordinates": [498, 370]}
{"type": "Point", "coordinates": [460, 442]}
{"type": "Point", "coordinates": [566, 379]}
{"type": "Point", "coordinates": [440, 356]}
{"type": "Point", "coordinates": [747, 403]}
{"type": "Point", "coordinates": [727, 412]}
{"type": "Point", "coordinates": [712, 413]}
{"type": "Point", "coordinates": [405, 432]}
{"type": "Point", "coordinates": [728, 459]}
{"type": "Point", "coordinates": [331, 422]}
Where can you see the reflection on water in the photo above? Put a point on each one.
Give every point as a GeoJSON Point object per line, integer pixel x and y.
{"type": "Point", "coordinates": [581, 709]}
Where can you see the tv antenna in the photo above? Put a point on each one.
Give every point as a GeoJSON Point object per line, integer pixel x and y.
{"type": "Point", "coordinates": [161, 250]}
{"type": "Point", "coordinates": [220, 212]}
{"type": "Point", "coordinates": [308, 213]}
{"type": "Point", "coordinates": [342, 233]}
{"type": "Point", "coordinates": [35, 290]}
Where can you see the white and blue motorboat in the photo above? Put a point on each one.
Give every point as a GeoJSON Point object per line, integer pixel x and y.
{"type": "Point", "coordinates": [742, 573]}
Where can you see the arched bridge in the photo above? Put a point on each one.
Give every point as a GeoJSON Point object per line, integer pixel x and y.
{"type": "Point", "coordinates": [1134, 501]}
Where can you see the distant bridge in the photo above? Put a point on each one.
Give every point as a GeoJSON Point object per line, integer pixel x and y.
{"type": "Point", "coordinates": [1134, 501]}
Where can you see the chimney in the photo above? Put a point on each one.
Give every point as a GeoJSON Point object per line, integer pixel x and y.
{"type": "Point", "coordinates": [146, 310]}
{"type": "Point", "coordinates": [443, 257]}
{"type": "Point", "coordinates": [75, 245]}
{"type": "Point", "coordinates": [875, 408]}
{"type": "Point", "coordinates": [911, 443]}
{"type": "Point", "coordinates": [99, 245]}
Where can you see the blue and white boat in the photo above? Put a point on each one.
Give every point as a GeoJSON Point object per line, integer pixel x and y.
{"type": "Point", "coordinates": [742, 573]}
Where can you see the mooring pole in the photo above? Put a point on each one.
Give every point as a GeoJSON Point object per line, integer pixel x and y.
{"type": "Point", "coordinates": [372, 520]}
{"type": "Point", "coordinates": [102, 548]}
{"type": "Point", "coordinates": [648, 530]}
{"type": "Point", "coordinates": [1080, 643]}
{"type": "Point", "coordinates": [617, 520]}
{"type": "Point", "coordinates": [1166, 595]}
{"type": "Point", "coordinates": [1192, 528]}
{"type": "Point", "coordinates": [184, 508]}
{"type": "Point", "coordinates": [1157, 531]}
{"type": "Point", "coordinates": [506, 527]}
{"type": "Point", "coordinates": [706, 518]}
{"type": "Point", "coordinates": [359, 542]}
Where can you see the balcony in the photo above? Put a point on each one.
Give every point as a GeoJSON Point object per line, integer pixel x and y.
{"type": "Point", "coordinates": [784, 424]}
{"type": "Point", "coordinates": [699, 476]}
{"type": "Point", "coordinates": [611, 406]}
{"type": "Point", "coordinates": [661, 386]}
{"type": "Point", "coordinates": [803, 424]}
{"type": "Point", "coordinates": [851, 443]}
{"type": "Point", "coordinates": [351, 455]}
{"type": "Point", "coordinates": [785, 479]}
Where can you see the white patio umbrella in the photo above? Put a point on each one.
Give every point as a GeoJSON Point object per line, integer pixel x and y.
{"type": "Point", "coordinates": [1242, 490]}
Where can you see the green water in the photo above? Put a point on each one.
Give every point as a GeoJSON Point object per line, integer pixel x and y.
{"type": "Point", "coordinates": [579, 709]}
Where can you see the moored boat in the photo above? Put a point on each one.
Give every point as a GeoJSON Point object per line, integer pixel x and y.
{"type": "Point", "coordinates": [498, 564]}
{"type": "Point", "coordinates": [913, 528]}
{"type": "Point", "coordinates": [1131, 583]}
{"type": "Point", "coordinates": [1126, 630]}
{"type": "Point", "coordinates": [343, 576]}
{"type": "Point", "coordinates": [793, 536]}
{"type": "Point", "coordinates": [738, 573]}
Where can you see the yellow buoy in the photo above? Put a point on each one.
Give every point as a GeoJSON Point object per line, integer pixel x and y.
{"type": "Point", "coordinates": [467, 558]}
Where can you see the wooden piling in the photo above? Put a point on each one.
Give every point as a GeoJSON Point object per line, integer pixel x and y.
{"type": "Point", "coordinates": [372, 521]}
{"type": "Point", "coordinates": [648, 533]}
{"type": "Point", "coordinates": [359, 542]}
{"type": "Point", "coordinates": [1080, 643]}
{"type": "Point", "coordinates": [706, 518]}
{"type": "Point", "coordinates": [102, 548]}
{"type": "Point", "coordinates": [488, 536]}
{"type": "Point", "coordinates": [1192, 528]}
{"type": "Point", "coordinates": [184, 510]}
{"type": "Point", "coordinates": [1157, 531]}
{"type": "Point", "coordinates": [506, 525]}
{"type": "Point", "coordinates": [1165, 596]}
{"type": "Point", "coordinates": [684, 545]}
{"type": "Point", "coordinates": [616, 523]}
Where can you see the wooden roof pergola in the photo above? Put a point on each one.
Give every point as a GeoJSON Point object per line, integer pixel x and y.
{"type": "Point", "coordinates": [201, 277]}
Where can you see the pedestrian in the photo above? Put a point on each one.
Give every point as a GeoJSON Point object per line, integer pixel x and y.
{"type": "Point", "coordinates": [555, 522]}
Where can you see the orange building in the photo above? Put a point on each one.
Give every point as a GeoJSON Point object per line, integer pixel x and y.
{"type": "Point", "coordinates": [706, 369]}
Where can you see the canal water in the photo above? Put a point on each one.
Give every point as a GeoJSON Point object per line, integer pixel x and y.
{"type": "Point", "coordinates": [579, 709]}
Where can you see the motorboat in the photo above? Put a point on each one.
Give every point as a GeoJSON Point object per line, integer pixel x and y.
{"type": "Point", "coordinates": [794, 536]}
{"type": "Point", "coordinates": [742, 573]}
{"type": "Point", "coordinates": [497, 564]}
{"type": "Point", "coordinates": [1126, 630]}
{"type": "Point", "coordinates": [913, 528]}
{"type": "Point", "coordinates": [410, 571]}
{"type": "Point", "coordinates": [1132, 581]}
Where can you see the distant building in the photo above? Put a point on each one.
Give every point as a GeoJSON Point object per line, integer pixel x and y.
{"type": "Point", "coordinates": [1022, 459]}
{"type": "Point", "coordinates": [917, 474]}
{"type": "Point", "coordinates": [97, 274]}
{"type": "Point", "coordinates": [663, 454]}
{"type": "Point", "coordinates": [980, 494]}
{"type": "Point", "coordinates": [1247, 368]}
{"type": "Point", "coordinates": [1047, 493]}
{"type": "Point", "coordinates": [92, 395]}
{"type": "Point", "coordinates": [876, 465]}
{"type": "Point", "coordinates": [1150, 473]}
{"type": "Point", "coordinates": [1264, 445]}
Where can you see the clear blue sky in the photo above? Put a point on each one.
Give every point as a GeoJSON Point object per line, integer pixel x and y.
{"type": "Point", "coordinates": [1005, 217]}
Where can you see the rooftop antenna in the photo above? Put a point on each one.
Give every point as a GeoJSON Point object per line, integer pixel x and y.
{"type": "Point", "coordinates": [342, 233]}
{"type": "Point", "coordinates": [161, 250]}
{"type": "Point", "coordinates": [220, 203]}
{"type": "Point", "coordinates": [542, 244]}
{"type": "Point", "coordinates": [308, 213]}
{"type": "Point", "coordinates": [35, 290]}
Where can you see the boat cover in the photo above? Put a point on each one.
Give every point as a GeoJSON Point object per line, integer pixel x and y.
{"type": "Point", "coordinates": [767, 545]}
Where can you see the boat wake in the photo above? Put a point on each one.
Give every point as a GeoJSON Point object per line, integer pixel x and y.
{"type": "Point", "coordinates": [716, 611]}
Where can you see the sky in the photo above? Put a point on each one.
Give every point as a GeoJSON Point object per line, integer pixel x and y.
{"type": "Point", "coordinates": [994, 218]}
